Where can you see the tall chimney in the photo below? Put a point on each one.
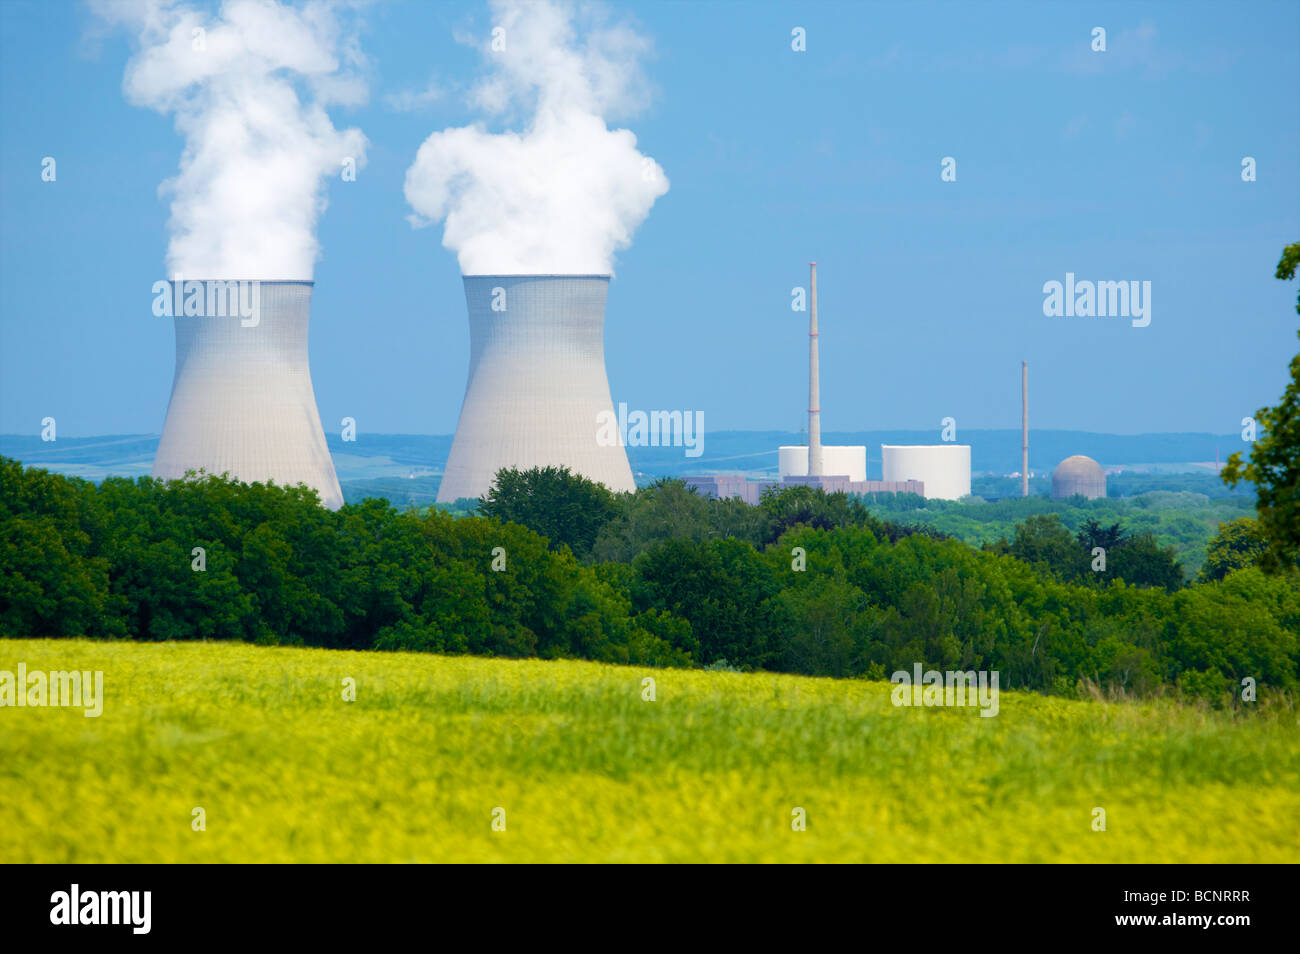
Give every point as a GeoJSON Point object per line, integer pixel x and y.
{"type": "Point", "coordinates": [1024, 428]}
{"type": "Point", "coordinates": [814, 388]}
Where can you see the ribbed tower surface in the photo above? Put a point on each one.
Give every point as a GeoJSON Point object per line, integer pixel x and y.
{"type": "Point", "coordinates": [537, 383]}
{"type": "Point", "coordinates": [242, 399]}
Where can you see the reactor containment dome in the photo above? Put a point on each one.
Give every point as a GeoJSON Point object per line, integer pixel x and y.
{"type": "Point", "coordinates": [1078, 475]}
{"type": "Point", "coordinates": [537, 388]}
{"type": "Point", "coordinates": [242, 401]}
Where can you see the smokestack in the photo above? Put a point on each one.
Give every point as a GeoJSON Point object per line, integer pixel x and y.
{"type": "Point", "coordinates": [814, 387]}
{"type": "Point", "coordinates": [242, 401]}
{"type": "Point", "coordinates": [1024, 428]}
{"type": "Point", "coordinates": [537, 387]}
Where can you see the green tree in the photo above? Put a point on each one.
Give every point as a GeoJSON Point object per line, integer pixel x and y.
{"type": "Point", "coordinates": [803, 506]}
{"type": "Point", "coordinates": [1274, 466]}
{"type": "Point", "coordinates": [666, 510]}
{"type": "Point", "coordinates": [566, 508]}
{"type": "Point", "coordinates": [1236, 546]}
{"type": "Point", "coordinates": [830, 624]}
{"type": "Point", "coordinates": [1045, 541]}
{"type": "Point", "coordinates": [723, 588]}
{"type": "Point", "coordinates": [1093, 534]}
{"type": "Point", "coordinates": [1142, 561]}
{"type": "Point", "coordinates": [52, 580]}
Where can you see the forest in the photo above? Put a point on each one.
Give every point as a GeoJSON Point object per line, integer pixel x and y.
{"type": "Point", "coordinates": [554, 566]}
{"type": "Point", "coordinates": [1186, 520]}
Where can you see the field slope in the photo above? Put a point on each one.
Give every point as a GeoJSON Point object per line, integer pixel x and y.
{"type": "Point", "coordinates": [286, 770]}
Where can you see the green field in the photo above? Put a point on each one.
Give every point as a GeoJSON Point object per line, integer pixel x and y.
{"type": "Point", "coordinates": [286, 770]}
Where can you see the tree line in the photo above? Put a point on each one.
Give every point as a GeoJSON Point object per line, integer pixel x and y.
{"type": "Point", "coordinates": [553, 565]}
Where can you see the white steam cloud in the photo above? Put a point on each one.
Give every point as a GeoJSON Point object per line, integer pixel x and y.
{"type": "Point", "coordinates": [563, 195]}
{"type": "Point", "coordinates": [248, 90]}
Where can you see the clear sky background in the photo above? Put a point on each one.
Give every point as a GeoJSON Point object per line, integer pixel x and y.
{"type": "Point", "coordinates": [1120, 165]}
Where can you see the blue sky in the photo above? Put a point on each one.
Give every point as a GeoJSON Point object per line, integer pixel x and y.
{"type": "Point", "coordinates": [1123, 165]}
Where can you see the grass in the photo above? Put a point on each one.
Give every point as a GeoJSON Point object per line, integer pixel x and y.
{"type": "Point", "coordinates": [286, 770]}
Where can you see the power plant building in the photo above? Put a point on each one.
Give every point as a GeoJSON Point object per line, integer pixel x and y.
{"type": "Point", "coordinates": [751, 491]}
{"type": "Point", "coordinates": [834, 469]}
{"type": "Point", "coordinates": [242, 401]}
{"type": "Point", "coordinates": [844, 460]}
{"type": "Point", "coordinates": [537, 389]}
{"type": "Point", "coordinates": [1078, 475]}
{"type": "Point", "coordinates": [944, 469]}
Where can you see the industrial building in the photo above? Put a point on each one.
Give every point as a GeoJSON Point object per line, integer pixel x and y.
{"type": "Point", "coordinates": [846, 460]}
{"type": "Point", "coordinates": [834, 469]}
{"type": "Point", "coordinates": [944, 469]}
{"type": "Point", "coordinates": [1078, 475]}
{"type": "Point", "coordinates": [242, 401]}
{"type": "Point", "coordinates": [537, 385]}
{"type": "Point", "coordinates": [842, 468]}
{"type": "Point", "coordinates": [751, 491]}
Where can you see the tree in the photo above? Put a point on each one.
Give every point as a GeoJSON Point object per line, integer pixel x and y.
{"type": "Point", "coordinates": [829, 621]}
{"type": "Point", "coordinates": [1142, 561]}
{"type": "Point", "coordinates": [723, 588]}
{"type": "Point", "coordinates": [1274, 466]}
{"type": "Point", "coordinates": [666, 510]}
{"type": "Point", "coordinates": [810, 506]}
{"type": "Point", "coordinates": [568, 509]}
{"type": "Point", "coordinates": [1093, 534]}
{"type": "Point", "coordinates": [52, 580]}
{"type": "Point", "coordinates": [1044, 540]}
{"type": "Point", "coordinates": [1236, 546]}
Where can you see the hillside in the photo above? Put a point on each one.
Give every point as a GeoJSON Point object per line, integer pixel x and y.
{"type": "Point", "coordinates": [285, 770]}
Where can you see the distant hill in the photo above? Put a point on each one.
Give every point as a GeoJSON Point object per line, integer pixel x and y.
{"type": "Point", "coordinates": [376, 456]}
{"type": "Point", "coordinates": [129, 455]}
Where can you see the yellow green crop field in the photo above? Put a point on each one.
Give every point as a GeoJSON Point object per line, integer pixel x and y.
{"type": "Point", "coordinates": [576, 764]}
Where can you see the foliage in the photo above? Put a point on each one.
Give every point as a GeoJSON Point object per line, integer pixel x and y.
{"type": "Point", "coordinates": [806, 582]}
{"type": "Point", "coordinates": [723, 588]}
{"type": "Point", "coordinates": [664, 510]}
{"type": "Point", "coordinates": [52, 580]}
{"type": "Point", "coordinates": [1236, 546]}
{"type": "Point", "coordinates": [568, 509]}
{"type": "Point", "coordinates": [1274, 466]}
{"type": "Point", "coordinates": [1185, 521]}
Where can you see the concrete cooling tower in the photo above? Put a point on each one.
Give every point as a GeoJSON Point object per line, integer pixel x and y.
{"type": "Point", "coordinates": [537, 384]}
{"type": "Point", "coordinates": [242, 400]}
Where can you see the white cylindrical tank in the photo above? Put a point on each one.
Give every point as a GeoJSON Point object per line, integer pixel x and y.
{"type": "Point", "coordinates": [944, 468]}
{"type": "Point", "coordinates": [242, 401]}
{"type": "Point", "coordinates": [845, 460]}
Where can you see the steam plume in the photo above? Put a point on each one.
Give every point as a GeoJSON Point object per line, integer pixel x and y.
{"type": "Point", "coordinates": [563, 195]}
{"type": "Point", "coordinates": [248, 90]}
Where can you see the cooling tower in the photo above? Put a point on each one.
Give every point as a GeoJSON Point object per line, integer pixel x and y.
{"type": "Point", "coordinates": [537, 386]}
{"type": "Point", "coordinates": [242, 400]}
